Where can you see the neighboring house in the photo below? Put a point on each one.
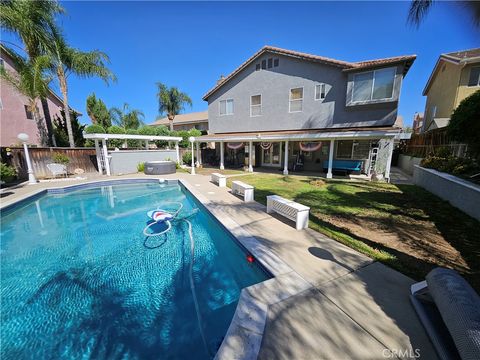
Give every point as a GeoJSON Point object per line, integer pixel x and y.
{"type": "Point", "coordinates": [197, 120]}
{"type": "Point", "coordinates": [285, 107]}
{"type": "Point", "coordinates": [455, 76]}
{"type": "Point", "coordinates": [15, 117]}
{"type": "Point", "coordinates": [417, 125]}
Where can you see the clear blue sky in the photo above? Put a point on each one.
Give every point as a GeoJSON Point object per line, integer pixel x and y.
{"type": "Point", "coordinates": [189, 44]}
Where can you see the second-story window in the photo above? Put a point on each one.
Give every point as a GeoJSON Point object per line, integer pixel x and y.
{"type": "Point", "coordinates": [255, 105]}
{"type": "Point", "coordinates": [319, 91]}
{"type": "Point", "coordinates": [28, 112]}
{"type": "Point", "coordinates": [373, 85]}
{"type": "Point", "coordinates": [226, 107]}
{"type": "Point", "coordinates": [296, 100]}
{"type": "Point", "coordinates": [474, 79]}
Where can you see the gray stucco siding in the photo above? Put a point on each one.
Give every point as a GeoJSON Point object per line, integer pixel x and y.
{"type": "Point", "coordinates": [274, 85]}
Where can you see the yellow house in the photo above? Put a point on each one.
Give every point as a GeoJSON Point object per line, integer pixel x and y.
{"type": "Point", "coordinates": [455, 76]}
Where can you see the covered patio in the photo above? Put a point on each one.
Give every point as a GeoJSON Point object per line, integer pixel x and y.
{"type": "Point", "coordinates": [368, 151]}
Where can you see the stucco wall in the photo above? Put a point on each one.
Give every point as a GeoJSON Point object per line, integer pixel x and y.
{"type": "Point", "coordinates": [274, 85]}
{"type": "Point", "coordinates": [460, 193]}
{"type": "Point", "coordinates": [464, 90]}
{"type": "Point", "coordinates": [407, 163]}
{"type": "Point", "coordinates": [126, 161]}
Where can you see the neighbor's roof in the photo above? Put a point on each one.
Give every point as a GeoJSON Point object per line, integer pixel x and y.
{"type": "Point", "coordinates": [194, 117]}
{"type": "Point", "coordinates": [457, 57]}
{"type": "Point", "coordinates": [345, 65]}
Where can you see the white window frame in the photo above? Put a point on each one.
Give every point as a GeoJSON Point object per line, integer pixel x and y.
{"type": "Point", "coordinates": [315, 92]}
{"type": "Point", "coordinates": [478, 80]}
{"type": "Point", "coordinates": [220, 107]}
{"type": "Point", "coordinates": [290, 98]}
{"type": "Point", "coordinates": [373, 86]}
{"type": "Point", "coordinates": [261, 105]}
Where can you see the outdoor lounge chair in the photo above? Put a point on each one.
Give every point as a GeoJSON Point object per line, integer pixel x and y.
{"type": "Point", "coordinates": [57, 169]}
{"type": "Point", "coordinates": [449, 309]}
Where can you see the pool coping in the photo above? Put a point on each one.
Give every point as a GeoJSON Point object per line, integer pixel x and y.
{"type": "Point", "coordinates": [245, 332]}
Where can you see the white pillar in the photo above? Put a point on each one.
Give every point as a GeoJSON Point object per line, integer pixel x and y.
{"type": "Point", "coordinates": [197, 163]}
{"type": "Point", "coordinates": [193, 162]}
{"type": "Point", "coordinates": [389, 160]}
{"type": "Point", "coordinates": [31, 175]}
{"type": "Point", "coordinates": [285, 160]}
{"type": "Point", "coordinates": [105, 156]}
{"type": "Point", "coordinates": [146, 144]}
{"type": "Point", "coordinates": [177, 150]}
{"type": "Point", "coordinates": [99, 162]}
{"type": "Point", "coordinates": [221, 156]}
{"type": "Point", "coordinates": [250, 157]}
{"type": "Point", "coordinates": [330, 159]}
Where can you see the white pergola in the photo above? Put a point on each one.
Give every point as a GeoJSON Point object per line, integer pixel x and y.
{"type": "Point", "coordinates": [102, 154]}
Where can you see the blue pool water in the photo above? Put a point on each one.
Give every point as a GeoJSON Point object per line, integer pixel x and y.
{"type": "Point", "coordinates": [80, 280]}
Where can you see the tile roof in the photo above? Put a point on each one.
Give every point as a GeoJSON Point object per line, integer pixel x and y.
{"type": "Point", "coordinates": [463, 54]}
{"type": "Point", "coordinates": [346, 65]}
{"type": "Point", "coordinates": [200, 116]}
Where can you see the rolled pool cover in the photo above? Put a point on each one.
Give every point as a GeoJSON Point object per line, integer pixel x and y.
{"type": "Point", "coordinates": [459, 306]}
{"type": "Point", "coordinates": [159, 167]}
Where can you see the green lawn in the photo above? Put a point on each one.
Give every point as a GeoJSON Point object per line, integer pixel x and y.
{"type": "Point", "coordinates": [402, 226]}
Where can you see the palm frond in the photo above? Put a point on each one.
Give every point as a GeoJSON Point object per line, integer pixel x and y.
{"type": "Point", "coordinates": [418, 10]}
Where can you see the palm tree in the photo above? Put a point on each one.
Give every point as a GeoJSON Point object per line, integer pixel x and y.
{"type": "Point", "coordinates": [419, 9]}
{"type": "Point", "coordinates": [32, 21]}
{"type": "Point", "coordinates": [31, 79]}
{"type": "Point", "coordinates": [171, 101]}
{"type": "Point", "coordinates": [67, 60]}
{"type": "Point", "coordinates": [126, 117]}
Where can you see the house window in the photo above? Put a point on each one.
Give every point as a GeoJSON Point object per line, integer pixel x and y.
{"type": "Point", "coordinates": [1, 62]}
{"type": "Point", "coordinates": [28, 113]}
{"type": "Point", "coordinates": [320, 92]}
{"type": "Point", "coordinates": [226, 107]}
{"type": "Point", "coordinates": [1, 104]}
{"type": "Point", "coordinates": [344, 149]}
{"type": "Point", "coordinates": [270, 63]}
{"type": "Point", "coordinates": [256, 105]}
{"type": "Point", "coordinates": [257, 67]}
{"type": "Point", "coordinates": [296, 100]}
{"type": "Point", "coordinates": [474, 79]}
{"type": "Point", "coordinates": [264, 64]}
{"type": "Point", "coordinates": [275, 62]}
{"type": "Point", "coordinates": [373, 85]}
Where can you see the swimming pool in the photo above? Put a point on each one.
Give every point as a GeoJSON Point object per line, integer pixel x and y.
{"type": "Point", "coordinates": [80, 280]}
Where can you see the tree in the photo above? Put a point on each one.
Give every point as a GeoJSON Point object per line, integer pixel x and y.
{"type": "Point", "coordinates": [93, 129]}
{"type": "Point", "coordinates": [30, 80]}
{"type": "Point", "coordinates": [464, 125]}
{"type": "Point", "coordinates": [171, 102]}
{"type": "Point", "coordinates": [67, 60]}
{"type": "Point", "coordinates": [116, 130]}
{"type": "Point", "coordinates": [126, 117]}
{"type": "Point", "coordinates": [32, 21]}
{"type": "Point", "coordinates": [61, 129]}
{"type": "Point", "coordinates": [419, 9]}
{"type": "Point", "coordinates": [98, 111]}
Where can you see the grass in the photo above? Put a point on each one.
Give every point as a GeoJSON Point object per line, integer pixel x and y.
{"type": "Point", "coordinates": [402, 226]}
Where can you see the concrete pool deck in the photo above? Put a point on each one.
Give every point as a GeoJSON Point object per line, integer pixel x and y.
{"type": "Point", "coordinates": [346, 306]}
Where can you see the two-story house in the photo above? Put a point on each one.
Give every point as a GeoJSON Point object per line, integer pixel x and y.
{"type": "Point", "coordinates": [187, 121]}
{"type": "Point", "coordinates": [290, 110]}
{"type": "Point", "coordinates": [455, 76]}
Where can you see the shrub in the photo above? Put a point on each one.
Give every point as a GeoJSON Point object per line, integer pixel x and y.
{"type": "Point", "coordinates": [116, 130]}
{"type": "Point", "coordinates": [133, 142]}
{"type": "Point", "coordinates": [451, 164]}
{"type": "Point", "coordinates": [141, 167]}
{"type": "Point", "coordinates": [185, 143]}
{"type": "Point", "coordinates": [93, 129]}
{"type": "Point", "coordinates": [187, 157]}
{"type": "Point", "coordinates": [162, 130]}
{"type": "Point", "coordinates": [60, 158]}
{"type": "Point", "coordinates": [7, 173]}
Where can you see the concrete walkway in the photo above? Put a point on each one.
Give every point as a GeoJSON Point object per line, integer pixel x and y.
{"type": "Point", "coordinates": [354, 309]}
{"type": "Point", "coordinates": [398, 176]}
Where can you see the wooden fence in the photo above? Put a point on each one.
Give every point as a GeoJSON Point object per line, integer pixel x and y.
{"type": "Point", "coordinates": [80, 158]}
{"type": "Point", "coordinates": [420, 145]}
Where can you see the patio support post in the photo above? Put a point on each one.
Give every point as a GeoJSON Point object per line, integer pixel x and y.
{"type": "Point", "coordinates": [192, 140]}
{"type": "Point", "coordinates": [197, 163]}
{"type": "Point", "coordinates": [146, 144]}
{"type": "Point", "coordinates": [330, 159]}
{"type": "Point", "coordinates": [177, 150]}
{"type": "Point", "coordinates": [250, 156]}
{"type": "Point", "coordinates": [105, 156]}
{"type": "Point", "coordinates": [99, 162]}
{"type": "Point", "coordinates": [389, 160]}
{"type": "Point", "coordinates": [285, 160]}
{"type": "Point", "coordinates": [221, 156]}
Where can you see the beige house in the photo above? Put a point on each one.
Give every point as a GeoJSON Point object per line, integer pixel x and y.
{"type": "Point", "coordinates": [197, 120]}
{"type": "Point", "coordinates": [455, 76]}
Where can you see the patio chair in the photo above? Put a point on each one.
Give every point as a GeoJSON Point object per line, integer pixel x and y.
{"type": "Point", "coordinates": [57, 169]}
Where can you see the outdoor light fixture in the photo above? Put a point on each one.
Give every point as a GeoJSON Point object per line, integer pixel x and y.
{"type": "Point", "coordinates": [192, 140]}
{"type": "Point", "coordinates": [24, 139]}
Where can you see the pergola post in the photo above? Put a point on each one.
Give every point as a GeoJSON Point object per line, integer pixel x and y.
{"type": "Point", "coordinates": [285, 160]}
{"type": "Point", "coordinates": [177, 150]}
{"type": "Point", "coordinates": [105, 157]}
{"type": "Point", "coordinates": [389, 160]}
{"type": "Point", "coordinates": [250, 156]}
{"type": "Point", "coordinates": [197, 163]}
{"type": "Point", "coordinates": [221, 156]}
{"type": "Point", "coordinates": [99, 162]}
{"type": "Point", "coordinates": [330, 159]}
{"type": "Point", "coordinates": [146, 144]}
